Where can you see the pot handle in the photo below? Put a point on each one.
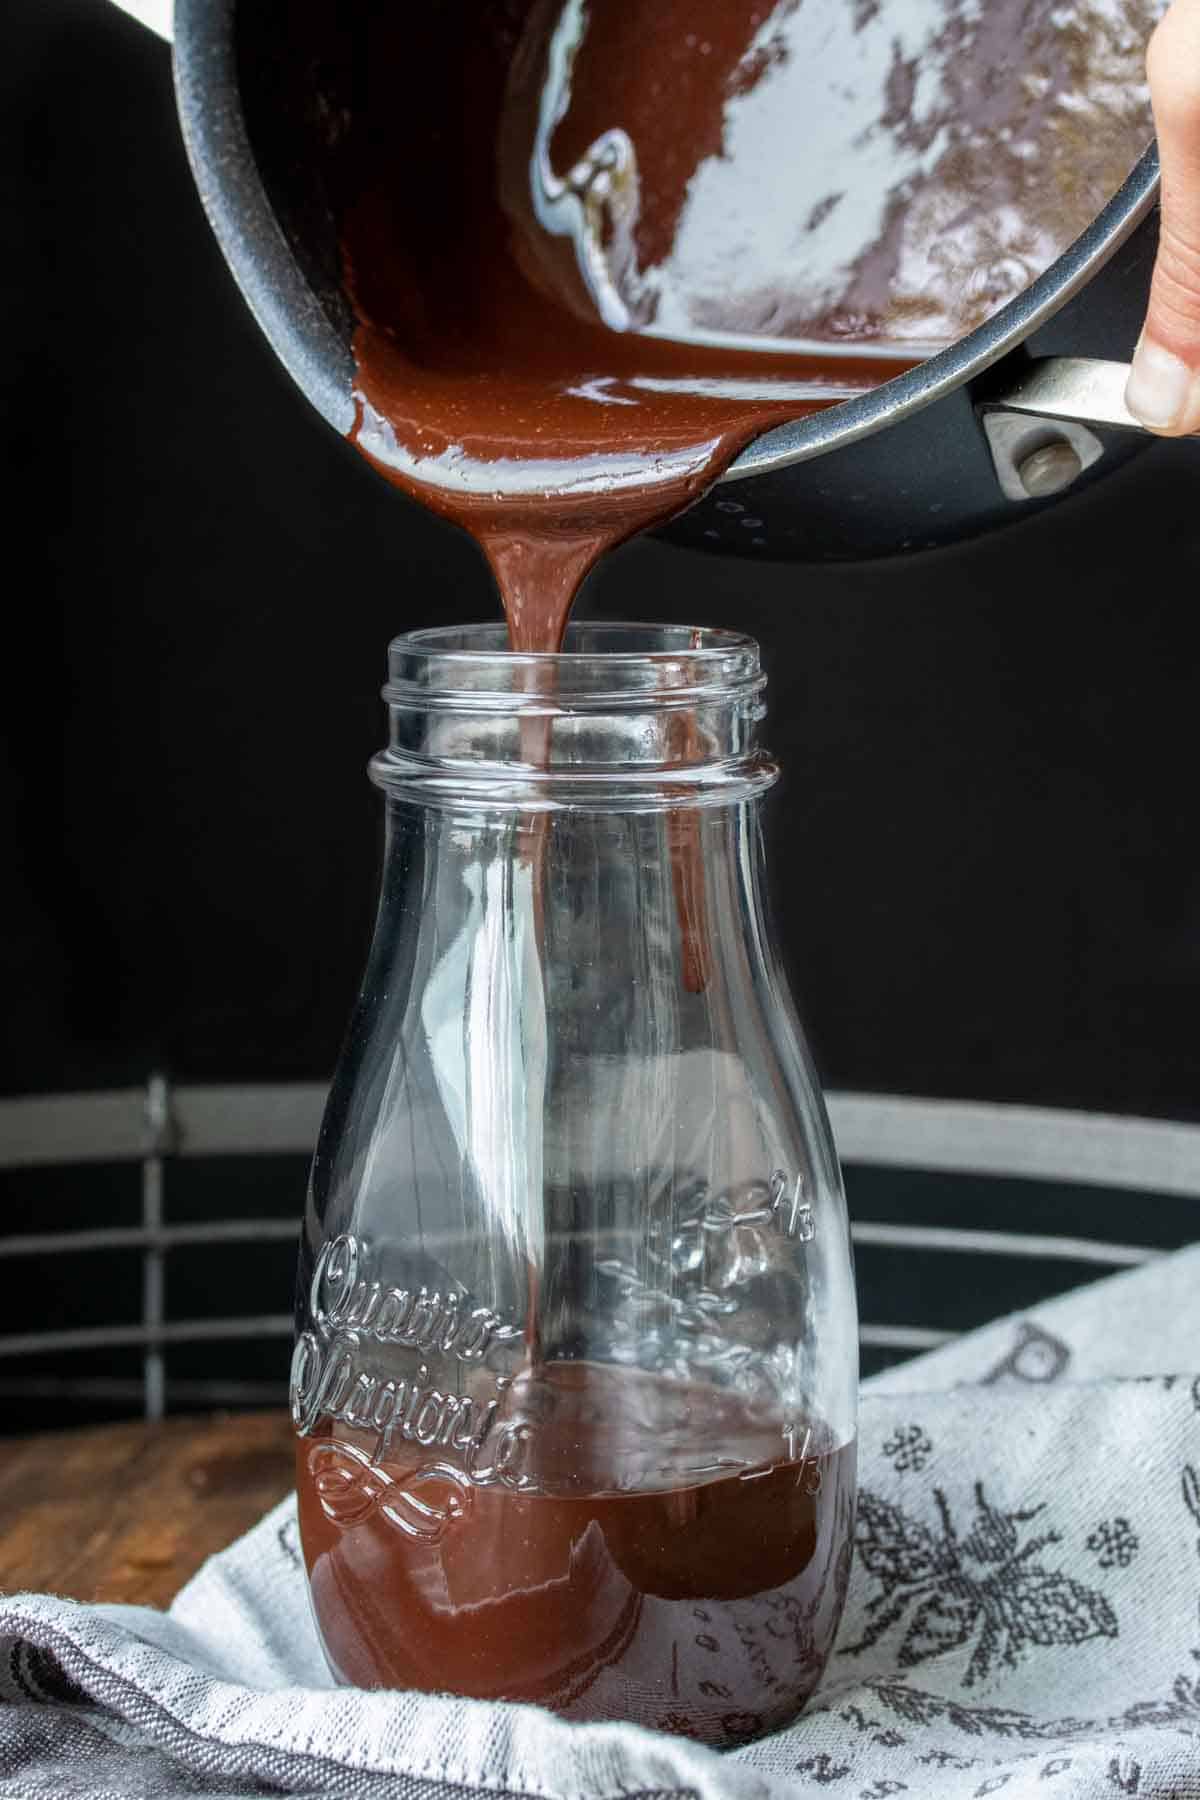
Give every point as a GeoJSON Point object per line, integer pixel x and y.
{"type": "Point", "coordinates": [1076, 390]}
{"type": "Point", "coordinates": [157, 14]}
{"type": "Point", "coordinates": [1042, 429]}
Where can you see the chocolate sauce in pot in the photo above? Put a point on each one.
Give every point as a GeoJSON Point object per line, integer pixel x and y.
{"type": "Point", "coordinates": [886, 171]}
{"type": "Point", "coordinates": [521, 415]}
{"type": "Point", "coordinates": [594, 248]}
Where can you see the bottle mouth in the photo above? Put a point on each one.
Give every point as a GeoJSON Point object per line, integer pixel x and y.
{"type": "Point", "coordinates": [626, 716]}
{"type": "Point", "coordinates": [602, 667]}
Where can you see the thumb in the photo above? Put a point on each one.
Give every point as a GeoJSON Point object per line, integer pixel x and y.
{"type": "Point", "coordinates": [1164, 385]}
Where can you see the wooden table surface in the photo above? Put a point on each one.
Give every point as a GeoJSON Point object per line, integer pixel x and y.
{"type": "Point", "coordinates": [129, 1512]}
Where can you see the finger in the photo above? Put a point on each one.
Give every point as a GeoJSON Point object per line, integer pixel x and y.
{"type": "Point", "coordinates": [1164, 384]}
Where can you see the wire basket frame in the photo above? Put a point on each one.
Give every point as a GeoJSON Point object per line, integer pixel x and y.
{"type": "Point", "coordinates": [156, 1125]}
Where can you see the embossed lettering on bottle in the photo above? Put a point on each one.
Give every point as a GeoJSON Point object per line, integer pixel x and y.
{"type": "Point", "coordinates": [343, 1373]}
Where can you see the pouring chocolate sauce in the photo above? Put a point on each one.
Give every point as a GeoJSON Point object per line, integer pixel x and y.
{"type": "Point", "coordinates": [579, 290]}
{"type": "Point", "coordinates": [554, 348]}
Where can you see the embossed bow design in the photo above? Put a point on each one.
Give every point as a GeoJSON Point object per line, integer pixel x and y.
{"type": "Point", "coordinates": [423, 1505]}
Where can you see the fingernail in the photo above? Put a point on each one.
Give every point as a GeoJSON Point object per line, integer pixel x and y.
{"type": "Point", "coordinates": [1162, 391]}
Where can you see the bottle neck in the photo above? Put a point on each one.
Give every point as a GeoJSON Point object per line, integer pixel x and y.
{"type": "Point", "coordinates": [627, 719]}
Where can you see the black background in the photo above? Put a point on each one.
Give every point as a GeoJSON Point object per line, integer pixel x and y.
{"type": "Point", "coordinates": [985, 850]}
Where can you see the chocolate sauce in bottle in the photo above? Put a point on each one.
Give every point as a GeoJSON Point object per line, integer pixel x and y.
{"type": "Point", "coordinates": [707, 1609]}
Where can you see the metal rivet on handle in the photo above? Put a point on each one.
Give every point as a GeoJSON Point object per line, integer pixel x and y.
{"type": "Point", "coordinates": [1049, 469]}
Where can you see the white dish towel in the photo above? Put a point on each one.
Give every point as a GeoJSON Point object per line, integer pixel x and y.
{"type": "Point", "coordinates": [1024, 1619]}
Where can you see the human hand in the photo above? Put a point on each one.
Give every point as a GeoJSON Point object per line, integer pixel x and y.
{"type": "Point", "coordinates": [1164, 386]}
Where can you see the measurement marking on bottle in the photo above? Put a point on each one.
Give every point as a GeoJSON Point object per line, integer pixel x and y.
{"type": "Point", "coordinates": [808, 1472]}
{"type": "Point", "coordinates": [783, 1209]}
{"type": "Point", "coordinates": [792, 1213]}
{"type": "Point", "coordinates": [790, 1433]}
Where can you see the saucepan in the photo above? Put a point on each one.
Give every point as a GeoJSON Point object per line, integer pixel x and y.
{"type": "Point", "coordinates": [1020, 412]}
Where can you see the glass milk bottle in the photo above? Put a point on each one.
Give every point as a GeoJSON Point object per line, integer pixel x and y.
{"type": "Point", "coordinates": [576, 1358]}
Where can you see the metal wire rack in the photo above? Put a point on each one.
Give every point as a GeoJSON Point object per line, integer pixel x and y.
{"type": "Point", "coordinates": [158, 1125]}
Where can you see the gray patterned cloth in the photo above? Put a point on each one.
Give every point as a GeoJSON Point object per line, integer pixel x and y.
{"type": "Point", "coordinates": [1023, 1619]}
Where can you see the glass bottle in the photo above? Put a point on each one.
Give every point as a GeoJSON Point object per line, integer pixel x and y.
{"type": "Point", "coordinates": [576, 1361]}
